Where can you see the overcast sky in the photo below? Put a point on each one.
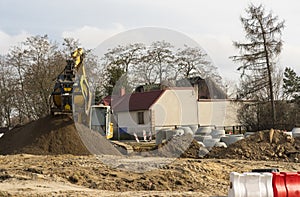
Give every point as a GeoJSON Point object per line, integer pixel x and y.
{"type": "Point", "coordinates": [213, 24]}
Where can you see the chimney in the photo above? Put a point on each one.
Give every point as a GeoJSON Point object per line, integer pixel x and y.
{"type": "Point", "coordinates": [122, 91]}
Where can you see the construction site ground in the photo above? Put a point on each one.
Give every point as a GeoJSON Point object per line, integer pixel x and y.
{"type": "Point", "coordinates": [49, 157]}
{"type": "Point", "coordinates": [69, 175]}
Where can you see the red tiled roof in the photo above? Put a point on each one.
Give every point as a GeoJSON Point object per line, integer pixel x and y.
{"type": "Point", "coordinates": [136, 101]}
{"type": "Point", "coordinates": [112, 100]}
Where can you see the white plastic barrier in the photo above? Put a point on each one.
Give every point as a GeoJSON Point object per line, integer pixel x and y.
{"type": "Point", "coordinates": [250, 185]}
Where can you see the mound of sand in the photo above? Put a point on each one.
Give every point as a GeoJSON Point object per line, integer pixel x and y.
{"type": "Point", "coordinates": [261, 146]}
{"type": "Point", "coordinates": [49, 135]}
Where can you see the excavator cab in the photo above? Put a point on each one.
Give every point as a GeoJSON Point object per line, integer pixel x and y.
{"type": "Point", "coordinates": [100, 120]}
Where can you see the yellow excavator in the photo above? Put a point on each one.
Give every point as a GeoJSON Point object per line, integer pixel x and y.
{"type": "Point", "coordinates": [72, 95]}
{"type": "Point", "coordinates": [71, 87]}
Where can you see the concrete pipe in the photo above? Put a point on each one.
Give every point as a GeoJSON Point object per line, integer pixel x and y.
{"type": "Point", "coordinates": [169, 134]}
{"type": "Point", "coordinates": [235, 138]}
{"type": "Point", "coordinates": [210, 142]}
{"type": "Point", "coordinates": [160, 136]}
{"type": "Point", "coordinates": [194, 128]}
{"type": "Point", "coordinates": [179, 132]}
{"type": "Point", "coordinates": [217, 133]}
{"type": "Point", "coordinates": [296, 132]}
{"type": "Point", "coordinates": [247, 134]}
{"type": "Point", "coordinates": [187, 130]}
{"type": "Point", "coordinates": [201, 138]}
{"type": "Point", "coordinates": [221, 144]}
{"type": "Point", "coordinates": [203, 131]}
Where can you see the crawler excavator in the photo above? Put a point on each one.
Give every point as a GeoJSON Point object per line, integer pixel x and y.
{"type": "Point", "coordinates": [72, 95]}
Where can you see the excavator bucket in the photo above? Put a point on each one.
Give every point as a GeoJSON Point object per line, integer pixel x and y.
{"type": "Point", "coordinates": [61, 97]}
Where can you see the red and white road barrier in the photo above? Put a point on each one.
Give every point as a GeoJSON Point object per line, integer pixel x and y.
{"type": "Point", "coordinates": [275, 184]}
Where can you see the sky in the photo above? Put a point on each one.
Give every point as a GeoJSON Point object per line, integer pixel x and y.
{"type": "Point", "coordinates": [213, 24]}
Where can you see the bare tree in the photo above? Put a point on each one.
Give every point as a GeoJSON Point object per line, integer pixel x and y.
{"type": "Point", "coordinates": [230, 88]}
{"type": "Point", "coordinates": [36, 63]}
{"type": "Point", "coordinates": [191, 61]}
{"type": "Point", "coordinates": [69, 46]}
{"type": "Point", "coordinates": [45, 63]}
{"type": "Point", "coordinates": [258, 56]}
{"type": "Point", "coordinates": [161, 56]}
{"type": "Point", "coordinates": [28, 74]}
{"type": "Point", "coordinates": [157, 62]}
{"type": "Point", "coordinates": [6, 93]}
{"type": "Point", "coordinates": [16, 59]}
{"type": "Point", "coordinates": [124, 56]}
{"type": "Point", "coordinates": [145, 71]}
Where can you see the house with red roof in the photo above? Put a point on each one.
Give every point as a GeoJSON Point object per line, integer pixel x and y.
{"type": "Point", "coordinates": [191, 102]}
{"type": "Point", "coordinates": [150, 111]}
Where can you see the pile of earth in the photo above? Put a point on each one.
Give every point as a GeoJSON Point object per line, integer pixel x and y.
{"type": "Point", "coordinates": [178, 146]}
{"type": "Point", "coordinates": [262, 145]}
{"type": "Point", "coordinates": [51, 136]}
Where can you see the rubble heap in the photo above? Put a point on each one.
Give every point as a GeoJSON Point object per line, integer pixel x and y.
{"type": "Point", "coordinates": [263, 145]}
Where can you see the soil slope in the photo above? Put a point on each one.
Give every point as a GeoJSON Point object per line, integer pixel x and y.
{"type": "Point", "coordinates": [52, 136]}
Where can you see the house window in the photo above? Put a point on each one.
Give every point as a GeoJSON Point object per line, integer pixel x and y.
{"type": "Point", "coordinates": [140, 118]}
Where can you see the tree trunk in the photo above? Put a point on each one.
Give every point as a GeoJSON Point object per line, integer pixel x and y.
{"type": "Point", "coordinates": [270, 79]}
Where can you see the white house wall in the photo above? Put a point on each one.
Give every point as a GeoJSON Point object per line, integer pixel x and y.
{"type": "Point", "coordinates": [232, 113]}
{"type": "Point", "coordinates": [218, 112]}
{"type": "Point", "coordinates": [180, 107]}
{"type": "Point", "coordinates": [205, 113]}
{"type": "Point", "coordinates": [175, 107]}
{"type": "Point", "coordinates": [129, 121]}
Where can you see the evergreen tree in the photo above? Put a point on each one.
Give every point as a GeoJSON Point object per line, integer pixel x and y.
{"type": "Point", "coordinates": [258, 55]}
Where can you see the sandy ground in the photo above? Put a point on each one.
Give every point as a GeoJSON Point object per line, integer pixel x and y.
{"type": "Point", "coordinates": [68, 175]}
